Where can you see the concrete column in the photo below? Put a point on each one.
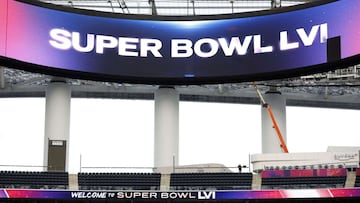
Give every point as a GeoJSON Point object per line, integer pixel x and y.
{"type": "Point", "coordinates": [57, 116]}
{"type": "Point", "coordinates": [166, 128]}
{"type": "Point", "coordinates": [270, 140]}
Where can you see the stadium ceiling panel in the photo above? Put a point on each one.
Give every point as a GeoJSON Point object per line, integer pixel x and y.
{"type": "Point", "coordinates": [174, 7]}
{"type": "Point", "coordinates": [335, 89]}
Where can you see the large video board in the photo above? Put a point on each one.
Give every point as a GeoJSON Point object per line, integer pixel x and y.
{"type": "Point", "coordinates": [264, 45]}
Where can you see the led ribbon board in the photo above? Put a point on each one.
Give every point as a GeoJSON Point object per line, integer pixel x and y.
{"type": "Point", "coordinates": [179, 50]}
{"type": "Point", "coordinates": [194, 196]}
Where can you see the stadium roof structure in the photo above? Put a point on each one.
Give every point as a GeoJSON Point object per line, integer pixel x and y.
{"type": "Point", "coordinates": [333, 89]}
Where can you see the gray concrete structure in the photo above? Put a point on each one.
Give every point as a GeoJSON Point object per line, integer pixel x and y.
{"type": "Point", "coordinates": [166, 150]}
{"type": "Point", "coordinates": [57, 117]}
{"type": "Point", "coordinates": [269, 139]}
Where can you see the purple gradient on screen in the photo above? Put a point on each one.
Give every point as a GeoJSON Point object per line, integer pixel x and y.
{"type": "Point", "coordinates": [37, 194]}
{"type": "Point", "coordinates": [3, 15]}
{"type": "Point", "coordinates": [3, 194]}
{"type": "Point", "coordinates": [24, 41]}
{"type": "Point", "coordinates": [350, 40]}
{"type": "Point", "coordinates": [263, 194]}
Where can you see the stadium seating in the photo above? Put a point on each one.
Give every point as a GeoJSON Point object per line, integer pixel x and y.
{"type": "Point", "coordinates": [119, 181]}
{"type": "Point", "coordinates": [34, 180]}
{"type": "Point", "coordinates": [270, 179]}
{"type": "Point", "coordinates": [303, 179]}
{"type": "Point", "coordinates": [211, 181]}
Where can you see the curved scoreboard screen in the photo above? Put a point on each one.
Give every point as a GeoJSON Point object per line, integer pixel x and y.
{"type": "Point", "coordinates": [278, 43]}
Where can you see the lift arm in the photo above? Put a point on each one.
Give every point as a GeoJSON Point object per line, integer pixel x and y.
{"type": "Point", "coordinates": [272, 117]}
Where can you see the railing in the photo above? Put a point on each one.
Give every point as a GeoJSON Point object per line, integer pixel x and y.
{"type": "Point", "coordinates": [171, 169]}
{"type": "Point", "coordinates": [133, 169]}
{"type": "Point", "coordinates": [22, 168]}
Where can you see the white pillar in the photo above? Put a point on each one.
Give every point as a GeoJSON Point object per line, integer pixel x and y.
{"type": "Point", "coordinates": [166, 151]}
{"type": "Point", "coordinates": [57, 116]}
{"type": "Point", "coordinates": [270, 140]}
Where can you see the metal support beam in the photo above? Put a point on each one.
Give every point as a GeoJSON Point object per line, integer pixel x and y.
{"type": "Point", "coordinates": [275, 3]}
{"type": "Point", "coordinates": [232, 6]}
{"type": "Point", "coordinates": [111, 5]}
{"type": "Point", "coordinates": [123, 6]}
{"type": "Point", "coordinates": [193, 6]}
{"type": "Point", "coordinates": [153, 7]}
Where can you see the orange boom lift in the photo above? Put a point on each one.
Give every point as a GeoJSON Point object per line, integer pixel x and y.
{"type": "Point", "coordinates": [271, 115]}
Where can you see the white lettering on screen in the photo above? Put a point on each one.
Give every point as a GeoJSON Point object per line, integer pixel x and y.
{"type": "Point", "coordinates": [183, 48]}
